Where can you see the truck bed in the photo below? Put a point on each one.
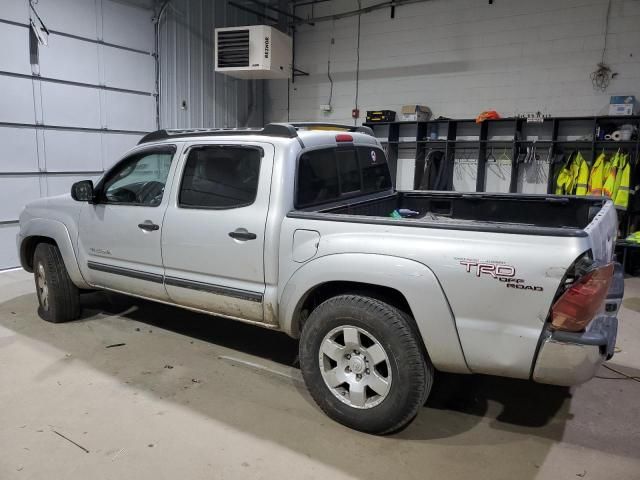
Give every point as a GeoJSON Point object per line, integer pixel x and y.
{"type": "Point", "coordinates": [507, 213]}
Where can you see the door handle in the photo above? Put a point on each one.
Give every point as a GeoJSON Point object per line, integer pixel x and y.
{"type": "Point", "coordinates": [242, 234]}
{"type": "Point", "coordinates": [149, 226]}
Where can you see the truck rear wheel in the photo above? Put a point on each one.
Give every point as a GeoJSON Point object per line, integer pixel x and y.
{"type": "Point", "coordinates": [363, 364]}
{"type": "Point", "coordinates": [58, 297]}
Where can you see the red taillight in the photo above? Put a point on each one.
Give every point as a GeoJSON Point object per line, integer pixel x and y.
{"type": "Point", "coordinates": [344, 137]}
{"type": "Point", "coordinates": [582, 300]}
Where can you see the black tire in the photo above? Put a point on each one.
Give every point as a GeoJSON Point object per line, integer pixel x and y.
{"type": "Point", "coordinates": [411, 370]}
{"type": "Point", "coordinates": [62, 300]}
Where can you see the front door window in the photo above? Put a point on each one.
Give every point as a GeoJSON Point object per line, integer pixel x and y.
{"type": "Point", "coordinates": [139, 180]}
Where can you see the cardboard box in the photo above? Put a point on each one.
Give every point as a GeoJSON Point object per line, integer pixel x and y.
{"type": "Point", "coordinates": [623, 105]}
{"type": "Point", "coordinates": [415, 113]}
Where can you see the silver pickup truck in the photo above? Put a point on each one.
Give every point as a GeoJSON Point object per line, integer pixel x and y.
{"type": "Point", "coordinates": [297, 227]}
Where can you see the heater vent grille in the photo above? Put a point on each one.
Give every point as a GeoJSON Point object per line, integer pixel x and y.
{"type": "Point", "coordinates": [233, 48]}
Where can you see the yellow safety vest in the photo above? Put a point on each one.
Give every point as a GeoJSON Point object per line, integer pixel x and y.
{"type": "Point", "coordinates": [599, 173]}
{"type": "Point", "coordinates": [580, 173]}
{"type": "Point", "coordinates": [609, 183]}
{"type": "Point", "coordinates": [621, 186]}
{"type": "Point", "coordinates": [573, 178]}
{"type": "Point", "coordinates": [606, 170]}
{"type": "Point", "coordinates": [617, 185]}
{"type": "Point", "coordinates": [564, 182]}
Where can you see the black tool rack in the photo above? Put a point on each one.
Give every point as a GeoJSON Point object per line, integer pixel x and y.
{"type": "Point", "coordinates": [559, 134]}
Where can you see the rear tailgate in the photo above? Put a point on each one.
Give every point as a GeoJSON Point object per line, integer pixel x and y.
{"type": "Point", "coordinates": [571, 356]}
{"type": "Point", "coordinates": [602, 231]}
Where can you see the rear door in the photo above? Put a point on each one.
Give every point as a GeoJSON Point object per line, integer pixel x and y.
{"type": "Point", "coordinates": [119, 236]}
{"type": "Point", "coordinates": [213, 233]}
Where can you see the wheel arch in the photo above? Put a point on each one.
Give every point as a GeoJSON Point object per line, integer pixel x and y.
{"type": "Point", "coordinates": [28, 248]}
{"type": "Point", "coordinates": [416, 291]}
{"type": "Point", "coordinates": [41, 230]}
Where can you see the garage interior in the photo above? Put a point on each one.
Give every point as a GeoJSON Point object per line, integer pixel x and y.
{"type": "Point", "coordinates": [504, 94]}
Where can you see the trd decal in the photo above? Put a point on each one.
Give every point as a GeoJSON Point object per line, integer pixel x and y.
{"type": "Point", "coordinates": [491, 269]}
{"type": "Point", "coordinates": [498, 271]}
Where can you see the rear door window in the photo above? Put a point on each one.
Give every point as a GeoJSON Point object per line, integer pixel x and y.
{"type": "Point", "coordinates": [329, 174]}
{"type": "Point", "coordinates": [220, 177]}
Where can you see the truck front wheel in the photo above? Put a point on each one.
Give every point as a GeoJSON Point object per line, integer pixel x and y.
{"type": "Point", "coordinates": [363, 364]}
{"type": "Point", "coordinates": [58, 297]}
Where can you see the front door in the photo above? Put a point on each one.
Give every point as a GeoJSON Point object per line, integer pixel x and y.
{"type": "Point", "coordinates": [213, 233]}
{"type": "Point", "coordinates": [119, 235]}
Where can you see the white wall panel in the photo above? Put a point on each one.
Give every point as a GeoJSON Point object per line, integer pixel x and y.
{"type": "Point", "coordinates": [14, 48]}
{"type": "Point", "coordinates": [61, 184]}
{"type": "Point", "coordinates": [461, 57]}
{"type": "Point", "coordinates": [77, 17]}
{"type": "Point", "coordinates": [19, 152]}
{"type": "Point", "coordinates": [70, 105]}
{"type": "Point", "coordinates": [68, 151]}
{"type": "Point", "coordinates": [128, 70]}
{"type": "Point", "coordinates": [16, 10]}
{"type": "Point", "coordinates": [114, 147]}
{"type": "Point", "coordinates": [129, 111]}
{"type": "Point", "coordinates": [16, 100]}
{"type": "Point", "coordinates": [127, 25]}
{"type": "Point", "coordinates": [69, 59]}
{"type": "Point", "coordinates": [16, 191]}
{"type": "Point", "coordinates": [8, 250]}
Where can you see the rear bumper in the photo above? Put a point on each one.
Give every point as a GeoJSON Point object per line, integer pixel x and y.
{"type": "Point", "coordinates": [571, 358]}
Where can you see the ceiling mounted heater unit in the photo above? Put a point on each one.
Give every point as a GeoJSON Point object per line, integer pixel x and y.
{"type": "Point", "coordinates": [253, 52]}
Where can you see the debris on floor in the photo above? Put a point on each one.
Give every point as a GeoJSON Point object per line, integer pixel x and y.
{"type": "Point", "coordinates": [69, 440]}
{"type": "Point", "coordinates": [115, 345]}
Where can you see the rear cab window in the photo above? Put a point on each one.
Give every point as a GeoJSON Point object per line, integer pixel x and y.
{"type": "Point", "coordinates": [340, 172]}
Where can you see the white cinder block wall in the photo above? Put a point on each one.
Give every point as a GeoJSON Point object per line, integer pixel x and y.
{"type": "Point", "coordinates": [461, 57]}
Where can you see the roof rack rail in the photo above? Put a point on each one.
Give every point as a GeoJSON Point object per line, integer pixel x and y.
{"type": "Point", "coordinates": [337, 126]}
{"type": "Point", "coordinates": [284, 130]}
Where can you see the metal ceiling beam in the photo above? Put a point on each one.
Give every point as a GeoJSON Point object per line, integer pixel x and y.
{"type": "Point", "coordinates": [377, 6]}
{"type": "Point", "coordinates": [280, 11]}
{"type": "Point", "coordinates": [255, 12]}
{"type": "Point", "coordinates": [302, 3]}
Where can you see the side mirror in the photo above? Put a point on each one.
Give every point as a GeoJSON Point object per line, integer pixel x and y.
{"type": "Point", "coordinates": [82, 191]}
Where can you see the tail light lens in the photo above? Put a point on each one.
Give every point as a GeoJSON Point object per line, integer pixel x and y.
{"type": "Point", "coordinates": [581, 301]}
{"type": "Point", "coordinates": [344, 137]}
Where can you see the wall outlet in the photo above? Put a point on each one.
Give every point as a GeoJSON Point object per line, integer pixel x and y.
{"type": "Point", "coordinates": [325, 108]}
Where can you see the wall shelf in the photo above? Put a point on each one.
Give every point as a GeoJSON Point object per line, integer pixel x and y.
{"type": "Point", "coordinates": [554, 129]}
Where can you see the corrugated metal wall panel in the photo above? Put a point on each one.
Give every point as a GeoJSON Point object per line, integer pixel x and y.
{"type": "Point", "coordinates": [14, 55]}
{"type": "Point", "coordinates": [75, 17]}
{"type": "Point", "coordinates": [19, 144]}
{"type": "Point", "coordinates": [191, 93]}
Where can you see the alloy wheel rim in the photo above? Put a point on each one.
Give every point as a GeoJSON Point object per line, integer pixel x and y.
{"type": "Point", "coordinates": [43, 288]}
{"type": "Point", "coordinates": [355, 367]}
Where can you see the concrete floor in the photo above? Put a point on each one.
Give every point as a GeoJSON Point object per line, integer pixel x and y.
{"type": "Point", "coordinates": [191, 396]}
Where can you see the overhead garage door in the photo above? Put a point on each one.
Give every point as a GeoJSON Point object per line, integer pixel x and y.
{"type": "Point", "coordinates": [68, 110]}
